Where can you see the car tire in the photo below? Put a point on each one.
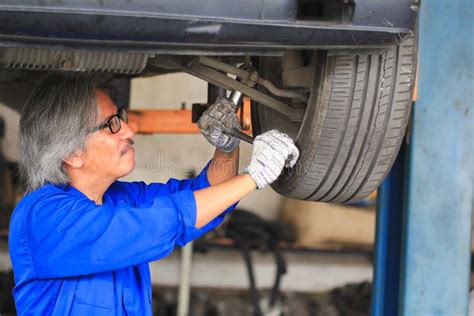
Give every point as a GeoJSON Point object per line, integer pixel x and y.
{"type": "Point", "coordinates": [354, 122]}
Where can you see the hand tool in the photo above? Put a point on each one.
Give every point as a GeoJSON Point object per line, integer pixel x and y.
{"type": "Point", "coordinates": [237, 97]}
{"type": "Point", "coordinates": [238, 133]}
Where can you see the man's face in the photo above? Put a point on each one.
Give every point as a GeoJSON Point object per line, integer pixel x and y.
{"type": "Point", "coordinates": [109, 156]}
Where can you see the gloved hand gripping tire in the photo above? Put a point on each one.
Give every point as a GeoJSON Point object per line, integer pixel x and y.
{"type": "Point", "coordinates": [221, 113]}
{"type": "Point", "coordinates": [272, 151]}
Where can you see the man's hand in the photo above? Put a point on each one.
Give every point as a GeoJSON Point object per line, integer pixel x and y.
{"type": "Point", "coordinates": [271, 152]}
{"type": "Point", "coordinates": [221, 113]}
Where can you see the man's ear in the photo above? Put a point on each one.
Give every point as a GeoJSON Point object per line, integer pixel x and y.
{"type": "Point", "coordinates": [74, 161]}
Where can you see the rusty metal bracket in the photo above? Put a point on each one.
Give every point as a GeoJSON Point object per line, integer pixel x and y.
{"type": "Point", "coordinates": [219, 79]}
{"type": "Point", "coordinates": [250, 77]}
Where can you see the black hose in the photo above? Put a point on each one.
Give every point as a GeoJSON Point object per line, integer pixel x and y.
{"type": "Point", "coordinates": [281, 269]}
{"type": "Point", "coordinates": [253, 292]}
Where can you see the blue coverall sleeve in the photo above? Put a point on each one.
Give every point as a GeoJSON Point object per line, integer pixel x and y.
{"type": "Point", "coordinates": [70, 236]}
{"type": "Point", "coordinates": [144, 193]}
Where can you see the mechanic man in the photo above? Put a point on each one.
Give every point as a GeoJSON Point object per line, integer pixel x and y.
{"type": "Point", "coordinates": [80, 241]}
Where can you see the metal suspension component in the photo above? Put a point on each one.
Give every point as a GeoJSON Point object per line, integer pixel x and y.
{"type": "Point", "coordinates": [251, 77]}
{"type": "Point", "coordinates": [219, 79]}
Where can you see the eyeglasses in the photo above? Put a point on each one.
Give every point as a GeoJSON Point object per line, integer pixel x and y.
{"type": "Point", "coordinates": [113, 123]}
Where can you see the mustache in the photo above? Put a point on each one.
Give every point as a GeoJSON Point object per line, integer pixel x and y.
{"type": "Point", "coordinates": [128, 146]}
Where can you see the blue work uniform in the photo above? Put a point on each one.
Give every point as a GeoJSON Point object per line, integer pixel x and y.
{"type": "Point", "coordinates": [73, 257]}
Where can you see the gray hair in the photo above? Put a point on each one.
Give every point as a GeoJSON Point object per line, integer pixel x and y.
{"type": "Point", "coordinates": [54, 124]}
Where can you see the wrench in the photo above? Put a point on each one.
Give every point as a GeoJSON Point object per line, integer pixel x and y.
{"type": "Point", "coordinates": [238, 133]}
{"type": "Point", "coordinates": [237, 97]}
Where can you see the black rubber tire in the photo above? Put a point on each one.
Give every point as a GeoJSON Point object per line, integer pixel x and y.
{"type": "Point", "coordinates": [353, 126]}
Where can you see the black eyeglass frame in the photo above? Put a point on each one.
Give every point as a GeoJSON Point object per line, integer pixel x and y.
{"type": "Point", "coordinates": [121, 115]}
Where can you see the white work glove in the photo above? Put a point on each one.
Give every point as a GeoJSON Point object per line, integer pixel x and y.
{"type": "Point", "coordinates": [221, 113]}
{"type": "Point", "coordinates": [271, 152]}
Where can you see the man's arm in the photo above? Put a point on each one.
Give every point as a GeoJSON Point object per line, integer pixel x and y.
{"type": "Point", "coordinates": [272, 151]}
{"type": "Point", "coordinates": [225, 163]}
{"type": "Point", "coordinates": [212, 201]}
{"type": "Point", "coordinates": [223, 166]}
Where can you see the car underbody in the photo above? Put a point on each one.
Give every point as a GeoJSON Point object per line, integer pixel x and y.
{"type": "Point", "coordinates": [293, 58]}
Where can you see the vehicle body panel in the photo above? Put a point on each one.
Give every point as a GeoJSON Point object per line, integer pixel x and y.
{"type": "Point", "coordinates": [234, 26]}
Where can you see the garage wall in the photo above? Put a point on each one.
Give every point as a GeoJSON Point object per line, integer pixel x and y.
{"type": "Point", "coordinates": [162, 156]}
